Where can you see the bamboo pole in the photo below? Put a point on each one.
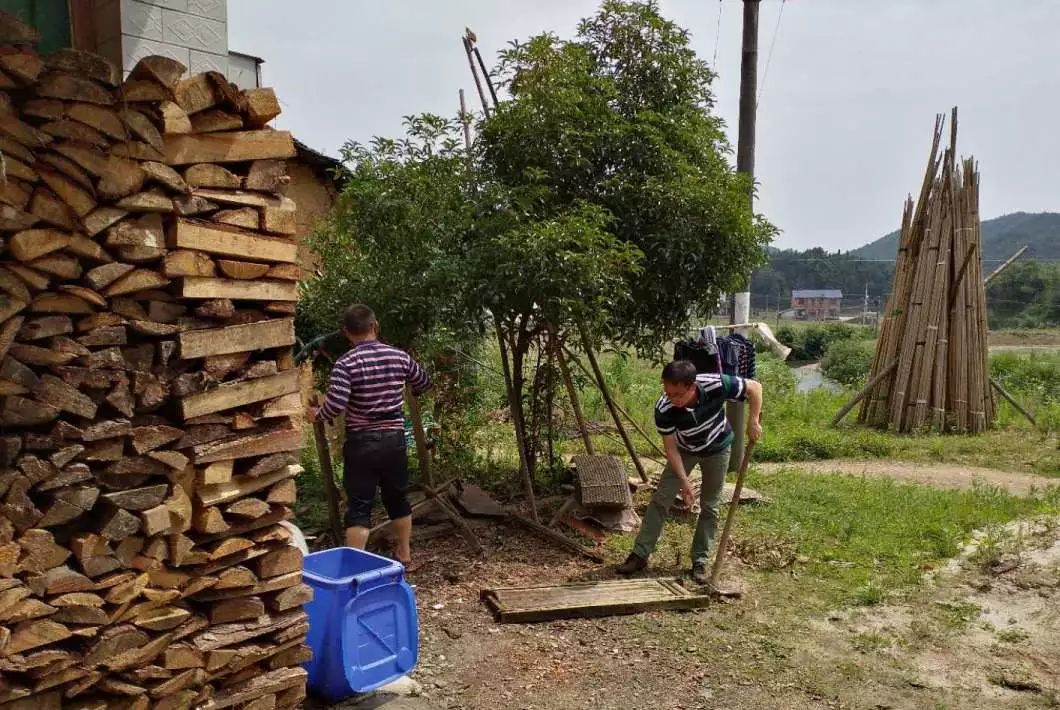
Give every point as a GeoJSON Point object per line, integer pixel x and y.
{"type": "Point", "coordinates": [1008, 262]}
{"type": "Point", "coordinates": [602, 384]}
{"type": "Point", "coordinates": [572, 392]}
{"type": "Point", "coordinates": [879, 377]}
{"type": "Point", "coordinates": [327, 473]}
{"type": "Point", "coordinates": [623, 412]}
{"type": "Point", "coordinates": [474, 74]}
{"type": "Point", "coordinates": [1012, 400]}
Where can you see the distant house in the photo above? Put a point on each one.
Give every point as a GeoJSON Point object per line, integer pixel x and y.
{"type": "Point", "coordinates": [816, 304]}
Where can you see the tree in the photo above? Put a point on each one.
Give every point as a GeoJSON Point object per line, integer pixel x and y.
{"type": "Point", "coordinates": [597, 197]}
{"type": "Point", "coordinates": [619, 118]}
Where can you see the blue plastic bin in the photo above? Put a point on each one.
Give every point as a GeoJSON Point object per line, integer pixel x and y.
{"type": "Point", "coordinates": [363, 626]}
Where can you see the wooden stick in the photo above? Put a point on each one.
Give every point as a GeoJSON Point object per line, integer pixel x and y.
{"type": "Point", "coordinates": [558, 538]}
{"type": "Point", "coordinates": [572, 392]}
{"type": "Point", "coordinates": [1012, 400]}
{"type": "Point", "coordinates": [427, 500]}
{"type": "Point", "coordinates": [438, 497]}
{"type": "Point", "coordinates": [327, 472]}
{"type": "Point", "coordinates": [516, 408]}
{"type": "Point", "coordinates": [998, 270]}
{"type": "Point", "coordinates": [474, 73]}
{"type": "Point", "coordinates": [623, 412]}
{"type": "Point", "coordinates": [485, 73]}
{"type": "Point", "coordinates": [864, 391]}
{"type": "Point", "coordinates": [602, 385]}
{"type": "Point", "coordinates": [422, 453]}
{"type": "Point", "coordinates": [723, 543]}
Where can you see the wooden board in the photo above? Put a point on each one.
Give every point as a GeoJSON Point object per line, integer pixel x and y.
{"type": "Point", "coordinates": [232, 242]}
{"type": "Point", "coordinates": [237, 338]}
{"type": "Point", "coordinates": [197, 287]}
{"type": "Point", "coordinates": [231, 147]}
{"type": "Point", "coordinates": [228, 396]}
{"type": "Point", "coordinates": [589, 599]}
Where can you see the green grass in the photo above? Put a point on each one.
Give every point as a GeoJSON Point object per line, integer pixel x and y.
{"type": "Point", "coordinates": [867, 538]}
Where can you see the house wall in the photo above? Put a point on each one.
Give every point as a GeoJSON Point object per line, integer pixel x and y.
{"type": "Point", "coordinates": [815, 308]}
{"type": "Point", "coordinates": [315, 198]}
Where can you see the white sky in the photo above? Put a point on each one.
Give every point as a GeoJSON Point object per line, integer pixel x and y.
{"type": "Point", "coordinates": [844, 123]}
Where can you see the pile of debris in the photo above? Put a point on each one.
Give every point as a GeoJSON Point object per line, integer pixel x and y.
{"type": "Point", "coordinates": [930, 368]}
{"type": "Point", "coordinates": [148, 394]}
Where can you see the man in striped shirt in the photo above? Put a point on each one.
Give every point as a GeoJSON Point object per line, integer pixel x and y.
{"type": "Point", "coordinates": [368, 385]}
{"type": "Point", "coordinates": [691, 418]}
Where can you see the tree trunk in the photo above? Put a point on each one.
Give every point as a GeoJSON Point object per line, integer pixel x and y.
{"type": "Point", "coordinates": [515, 406]}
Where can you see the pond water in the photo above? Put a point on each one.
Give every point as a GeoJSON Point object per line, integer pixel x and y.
{"type": "Point", "coordinates": [809, 378]}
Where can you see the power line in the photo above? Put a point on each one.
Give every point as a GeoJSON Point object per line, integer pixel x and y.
{"type": "Point", "coordinates": [717, 39]}
{"type": "Point", "coordinates": [769, 56]}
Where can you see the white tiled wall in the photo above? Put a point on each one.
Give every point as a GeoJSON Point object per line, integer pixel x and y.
{"type": "Point", "coordinates": [194, 32]}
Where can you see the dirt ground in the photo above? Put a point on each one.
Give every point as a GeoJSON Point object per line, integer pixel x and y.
{"type": "Point", "coordinates": [938, 475]}
{"type": "Point", "coordinates": [977, 635]}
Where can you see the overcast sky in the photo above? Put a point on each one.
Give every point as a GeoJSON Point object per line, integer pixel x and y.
{"type": "Point", "coordinates": [846, 110]}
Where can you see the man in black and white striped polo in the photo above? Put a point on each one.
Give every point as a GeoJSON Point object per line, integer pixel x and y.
{"type": "Point", "coordinates": [690, 416]}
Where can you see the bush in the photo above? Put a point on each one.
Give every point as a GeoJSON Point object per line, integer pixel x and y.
{"type": "Point", "coordinates": [1034, 375]}
{"type": "Point", "coordinates": [812, 341]}
{"type": "Point", "coordinates": [848, 362]}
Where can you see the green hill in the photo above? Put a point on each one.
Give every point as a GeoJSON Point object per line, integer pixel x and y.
{"type": "Point", "coordinates": [1001, 237]}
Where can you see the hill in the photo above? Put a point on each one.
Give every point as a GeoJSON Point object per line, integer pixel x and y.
{"type": "Point", "coordinates": [1001, 237]}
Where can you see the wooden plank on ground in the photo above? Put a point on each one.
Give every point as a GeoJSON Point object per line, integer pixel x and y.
{"type": "Point", "coordinates": [237, 338]}
{"type": "Point", "coordinates": [228, 396]}
{"type": "Point", "coordinates": [230, 147]}
{"type": "Point", "coordinates": [230, 241]}
{"type": "Point", "coordinates": [589, 599]}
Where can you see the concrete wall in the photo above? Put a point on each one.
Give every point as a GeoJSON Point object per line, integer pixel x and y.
{"type": "Point", "coordinates": [243, 71]}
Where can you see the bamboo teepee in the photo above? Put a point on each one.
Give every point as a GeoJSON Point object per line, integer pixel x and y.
{"type": "Point", "coordinates": [930, 367]}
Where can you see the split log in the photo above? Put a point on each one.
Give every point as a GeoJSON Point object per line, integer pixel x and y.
{"type": "Point", "coordinates": [205, 288]}
{"type": "Point", "coordinates": [231, 242]}
{"type": "Point", "coordinates": [237, 339]}
{"type": "Point", "coordinates": [232, 147]}
{"type": "Point", "coordinates": [242, 270]}
{"type": "Point", "coordinates": [228, 396]}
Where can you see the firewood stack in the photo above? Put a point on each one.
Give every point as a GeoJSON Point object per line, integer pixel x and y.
{"type": "Point", "coordinates": [148, 396]}
{"type": "Point", "coordinates": [930, 369]}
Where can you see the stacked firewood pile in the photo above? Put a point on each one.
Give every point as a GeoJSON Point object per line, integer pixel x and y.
{"type": "Point", "coordinates": [930, 369]}
{"type": "Point", "coordinates": [148, 396]}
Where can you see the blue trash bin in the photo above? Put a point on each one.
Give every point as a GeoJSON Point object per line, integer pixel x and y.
{"type": "Point", "coordinates": [363, 626]}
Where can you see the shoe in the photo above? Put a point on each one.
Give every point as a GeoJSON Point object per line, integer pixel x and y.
{"type": "Point", "coordinates": [700, 573]}
{"type": "Point", "coordinates": [633, 564]}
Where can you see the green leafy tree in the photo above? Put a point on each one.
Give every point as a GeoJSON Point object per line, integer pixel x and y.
{"type": "Point", "coordinates": [598, 196]}
{"type": "Point", "coordinates": [619, 118]}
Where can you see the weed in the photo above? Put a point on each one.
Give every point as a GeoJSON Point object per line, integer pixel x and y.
{"type": "Point", "coordinates": [1013, 636]}
{"type": "Point", "coordinates": [870, 594]}
{"type": "Point", "coordinates": [867, 539]}
{"type": "Point", "coordinates": [957, 615]}
{"type": "Point", "coordinates": [868, 641]}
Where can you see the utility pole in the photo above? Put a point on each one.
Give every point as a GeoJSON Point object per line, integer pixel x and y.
{"type": "Point", "coordinates": [745, 163]}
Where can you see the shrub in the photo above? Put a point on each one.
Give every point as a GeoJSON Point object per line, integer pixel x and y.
{"type": "Point", "coordinates": [812, 341]}
{"type": "Point", "coordinates": [848, 362]}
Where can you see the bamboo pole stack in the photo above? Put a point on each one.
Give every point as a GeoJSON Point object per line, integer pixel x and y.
{"type": "Point", "coordinates": [931, 356]}
{"type": "Point", "coordinates": [148, 396]}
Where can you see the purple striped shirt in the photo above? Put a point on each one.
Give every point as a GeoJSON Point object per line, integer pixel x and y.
{"type": "Point", "coordinates": [368, 383]}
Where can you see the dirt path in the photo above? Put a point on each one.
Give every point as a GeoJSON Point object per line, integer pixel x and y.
{"type": "Point", "coordinates": [939, 475]}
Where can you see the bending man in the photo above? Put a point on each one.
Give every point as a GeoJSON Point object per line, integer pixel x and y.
{"type": "Point", "coordinates": [368, 384]}
{"type": "Point", "coordinates": [691, 418]}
